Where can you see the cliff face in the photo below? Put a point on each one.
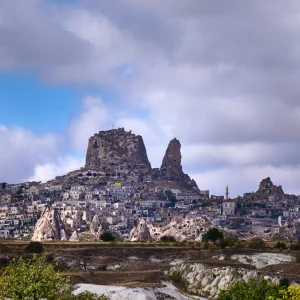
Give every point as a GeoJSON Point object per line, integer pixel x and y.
{"type": "Point", "coordinates": [171, 168]}
{"type": "Point", "coordinates": [117, 151]}
{"type": "Point", "coordinates": [49, 227]}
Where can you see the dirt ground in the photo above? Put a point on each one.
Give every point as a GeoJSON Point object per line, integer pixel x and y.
{"type": "Point", "coordinates": [140, 264]}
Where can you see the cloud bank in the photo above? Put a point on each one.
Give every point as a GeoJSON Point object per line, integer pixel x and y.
{"type": "Point", "coordinates": [221, 76]}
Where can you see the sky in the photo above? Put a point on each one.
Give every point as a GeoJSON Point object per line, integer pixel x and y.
{"type": "Point", "coordinates": [221, 76]}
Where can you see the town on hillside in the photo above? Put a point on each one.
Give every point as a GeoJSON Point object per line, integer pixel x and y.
{"type": "Point", "coordinates": [117, 191]}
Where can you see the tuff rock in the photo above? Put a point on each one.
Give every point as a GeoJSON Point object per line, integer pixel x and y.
{"type": "Point", "coordinates": [74, 237]}
{"type": "Point", "coordinates": [140, 233]}
{"type": "Point", "coordinates": [50, 226]}
{"type": "Point", "coordinates": [117, 151]}
{"type": "Point", "coordinates": [171, 168]}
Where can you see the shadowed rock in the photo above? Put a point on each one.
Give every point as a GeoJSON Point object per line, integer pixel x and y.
{"type": "Point", "coordinates": [171, 168]}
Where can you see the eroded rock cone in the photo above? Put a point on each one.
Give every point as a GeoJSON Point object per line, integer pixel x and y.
{"type": "Point", "coordinates": [74, 237]}
{"type": "Point", "coordinates": [140, 233]}
{"type": "Point", "coordinates": [50, 226]}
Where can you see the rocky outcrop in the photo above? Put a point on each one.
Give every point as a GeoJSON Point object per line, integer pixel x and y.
{"type": "Point", "coordinates": [188, 229]}
{"type": "Point", "coordinates": [50, 226]}
{"type": "Point", "coordinates": [205, 281]}
{"type": "Point", "coordinates": [267, 192]}
{"type": "Point", "coordinates": [74, 237]}
{"type": "Point", "coordinates": [140, 233]}
{"type": "Point", "coordinates": [171, 168]}
{"type": "Point", "coordinates": [117, 151]}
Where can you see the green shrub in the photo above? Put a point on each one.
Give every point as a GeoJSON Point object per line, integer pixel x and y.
{"type": "Point", "coordinates": [36, 279]}
{"type": "Point", "coordinates": [295, 246]}
{"type": "Point", "coordinates": [285, 282]}
{"type": "Point", "coordinates": [176, 277]}
{"type": "Point", "coordinates": [167, 239]}
{"type": "Point", "coordinates": [107, 237]}
{"type": "Point", "coordinates": [206, 245]}
{"type": "Point", "coordinates": [213, 234]}
{"type": "Point", "coordinates": [255, 289]}
{"type": "Point", "coordinates": [280, 246]}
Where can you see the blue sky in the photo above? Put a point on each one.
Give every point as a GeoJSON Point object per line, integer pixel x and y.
{"type": "Point", "coordinates": [28, 103]}
{"type": "Point", "coordinates": [195, 70]}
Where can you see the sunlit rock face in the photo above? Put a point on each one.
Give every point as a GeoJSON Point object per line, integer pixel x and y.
{"type": "Point", "coordinates": [49, 227]}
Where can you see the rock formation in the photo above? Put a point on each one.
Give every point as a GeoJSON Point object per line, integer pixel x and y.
{"type": "Point", "coordinates": [74, 237]}
{"type": "Point", "coordinates": [117, 151]}
{"type": "Point", "coordinates": [140, 233]}
{"type": "Point", "coordinates": [267, 192]}
{"type": "Point", "coordinates": [96, 227]}
{"type": "Point", "coordinates": [171, 168]}
{"type": "Point", "coordinates": [208, 280]}
{"type": "Point", "coordinates": [50, 226]}
{"type": "Point", "coordinates": [188, 229]}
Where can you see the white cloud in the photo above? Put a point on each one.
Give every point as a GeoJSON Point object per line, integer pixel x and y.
{"type": "Point", "coordinates": [61, 166]}
{"type": "Point", "coordinates": [94, 116]}
{"type": "Point", "coordinates": [198, 71]}
{"type": "Point", "coordinates": [21, 150]}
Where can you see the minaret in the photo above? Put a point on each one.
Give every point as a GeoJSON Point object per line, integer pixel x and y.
{"type": "Point", "coordinates": [227, 192]}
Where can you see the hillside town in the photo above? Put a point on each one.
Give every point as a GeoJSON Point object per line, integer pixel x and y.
{"type": "Point", "coordinates": [119, 192]}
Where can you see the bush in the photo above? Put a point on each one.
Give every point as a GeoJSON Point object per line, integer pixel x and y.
{"type": "Point", "coordinates": [31, 279]}
{"type": "Point", "coordinates": [255, 289]}
{"type": "Point", "coordinates": [176, 277]}
{"type": "Point", "coordinates": [257, 243]}
{"type": "Point", "coordinates": [36, 279]}
{"type": "Point", "coordinates": [206, 245]}
{"type": "Point", "coordinates": [295, 246]}
{"type": "Point", "coordinates": [102, 268]}
{"type": "Point", "coordinates": [280, 246]}
{"type": "Point", "coordinates": [213, 234]}
{"type": "Point", "coordinates": [107, 237]}
{"type": "Point", "coordinates": [34, 247]}
{"type": "Point", "coordinates": [168, 238]}
{"type": "Point", "coordinates": [284, 282]}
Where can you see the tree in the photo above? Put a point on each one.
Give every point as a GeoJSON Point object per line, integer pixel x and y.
{"type": "Point", "coordinates": [3, 185]}
{"type": "Point", "coordinates": [168, 238]}
{"type": "Point", "coordinates": [31, 279]}
{"type": "Point", "coordinates": [36, 279]}
{"type": "Point", "coordinates": [170, 197]}
{"type": "Point", "coordinates": [107, 237]}
{"type": "Point", "coordinates": [213, 234]}
{"type": "Point", "coordinates": [20, 191]}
